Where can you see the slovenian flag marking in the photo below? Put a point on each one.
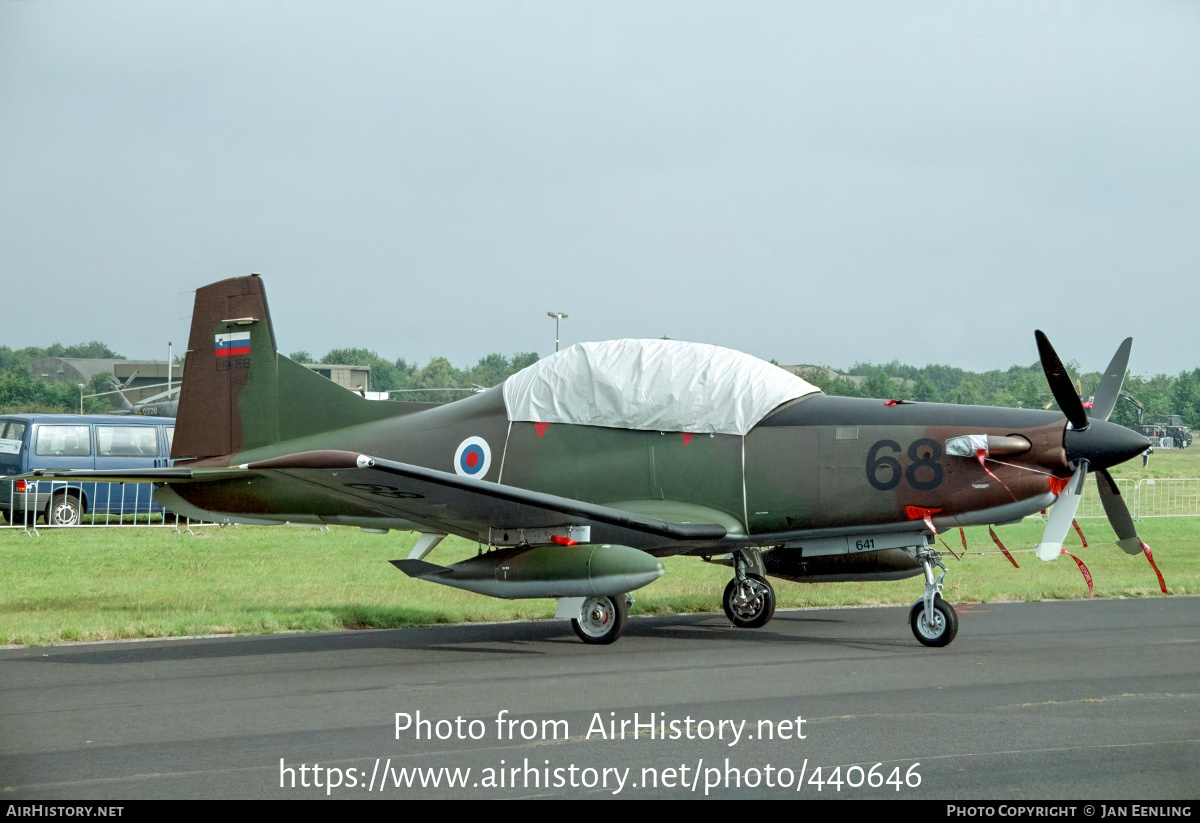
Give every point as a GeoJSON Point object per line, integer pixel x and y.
{"type": "Point", "coordinates": [237, 342]}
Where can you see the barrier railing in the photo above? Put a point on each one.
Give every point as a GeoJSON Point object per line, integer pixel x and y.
{"type": "Point", "coordinates": [1169, 497]}
{"type": "Point", "coordinates": [33, 504]}
{"type": "Point", "coordinates": [1154, 497]}
{"type": "Point", "coordinates": [1090, 505]}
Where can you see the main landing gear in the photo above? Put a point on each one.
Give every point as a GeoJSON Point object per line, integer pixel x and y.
{"type": "Point", "coordinates": [933, 620]}
{"type": "Point", "coordinates": [749, 599]}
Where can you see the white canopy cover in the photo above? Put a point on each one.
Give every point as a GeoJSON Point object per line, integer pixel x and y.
{"type": "Point", "coordinates": [654, 385]}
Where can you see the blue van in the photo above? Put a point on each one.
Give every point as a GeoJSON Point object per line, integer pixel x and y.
{"type": "Point", "coordinates": [74, 441]}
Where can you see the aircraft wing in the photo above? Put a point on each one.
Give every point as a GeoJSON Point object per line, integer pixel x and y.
{"type": "Point", "coordinates": [464, 505]}
{"type": "Point", "coordinates": [437, 500]}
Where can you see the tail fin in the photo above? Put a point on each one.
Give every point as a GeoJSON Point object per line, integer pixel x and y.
{"type": "Point", "coordinates": [239, 393]}
{"type": "Point", "coordinates": [119, 400]}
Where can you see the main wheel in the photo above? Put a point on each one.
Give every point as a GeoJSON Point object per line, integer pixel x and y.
{"type": "Point", "coordinates": [750, 606]}
{"type": "Point", "coordinates": [600, 619]}
{"type": "Point", "coordinates": [939, 630]}
{"type": "Point", "coordinates": [64, 510]}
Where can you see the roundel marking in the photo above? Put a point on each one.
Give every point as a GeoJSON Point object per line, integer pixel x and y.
{"type": "Point", "coordinates": [473, 457]}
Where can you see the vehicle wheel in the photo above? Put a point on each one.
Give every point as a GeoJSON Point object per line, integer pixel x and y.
{"type": "Point", "coordinates": [600, 619]}
{"type": "Point", "coordinates": [6, 515]}
{"type": "Point", "coordinates": [752, 608]}
{"type": "Point", "coordinates": [64, 510]}
{"type": "Point", "coordinates": [936, 632]}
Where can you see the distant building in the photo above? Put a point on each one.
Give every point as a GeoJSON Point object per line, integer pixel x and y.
{"type": "Point", "coordinates": [145, 378]}
{"type": "Point", "coordinates": [70, 369]}
{"type": "Point", "coordinates": [355, 378]}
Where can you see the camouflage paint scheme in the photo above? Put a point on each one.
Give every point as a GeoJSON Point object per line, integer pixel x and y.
{"type": "Point", "coordinates": [260, 438]}
{"type": "Point", "coordinates": [802, 471]}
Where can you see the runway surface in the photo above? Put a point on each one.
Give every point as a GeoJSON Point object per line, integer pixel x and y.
{"type": "Point", "coordinates": [1058, 700]}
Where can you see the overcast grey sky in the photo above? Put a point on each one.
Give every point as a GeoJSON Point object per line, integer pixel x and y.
{"type": "Point", "coordinates": [818, 182]}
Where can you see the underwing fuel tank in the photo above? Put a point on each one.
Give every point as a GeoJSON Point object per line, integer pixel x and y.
{"type": "Point", "coordinates": [544, 571]}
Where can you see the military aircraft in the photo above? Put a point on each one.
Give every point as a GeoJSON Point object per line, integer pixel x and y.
{"type": "Point", "coordinates": [159, 405]}
{"type": "Point", "coordinates": [578, 473]}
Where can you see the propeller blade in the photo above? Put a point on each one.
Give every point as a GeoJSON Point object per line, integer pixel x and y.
{"type": "Point", "coordinates": [1062, 513]}
{"type": "Point", "coordinates": [1060, 384]}
{"type": "Point", "coordinates": [1110, 384]}
{"type": "Point", "coordinates": [1118, 513]}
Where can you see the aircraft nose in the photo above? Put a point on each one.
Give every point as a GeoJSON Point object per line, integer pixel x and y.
{"type": "Point", "coordinates": [1103, 444]}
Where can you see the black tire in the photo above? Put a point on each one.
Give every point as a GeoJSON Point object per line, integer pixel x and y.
{"type": "Point", "coordinates": [6, 515]}
{"type": "Point", "coordinates": [757, 610]}
{"type": "Point", "coordinates": [938, 632]}
{"type": "Point", "coordinates": [600, 620]}
{"type": "Point", "coordinates": [64, 510]}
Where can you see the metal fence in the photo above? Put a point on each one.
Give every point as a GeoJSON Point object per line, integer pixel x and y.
{"type": "Point", "coordinates": [1163, 497]}
{"type": "Point", "coordinates": [29, 505]}
{"type": "Point", "coordinates": [1171, 497]}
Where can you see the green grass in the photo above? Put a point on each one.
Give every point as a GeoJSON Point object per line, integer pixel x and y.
{"type": "Point", "coordinates": [104, 584]}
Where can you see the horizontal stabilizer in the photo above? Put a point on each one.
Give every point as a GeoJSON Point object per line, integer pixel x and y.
{"type": "Point", "coordinates": [175, 474]}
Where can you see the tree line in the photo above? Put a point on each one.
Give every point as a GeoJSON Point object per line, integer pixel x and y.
{"type": "Point", "coordinates": [22, 393]}
{"type": "Point", "coordinates": [407, 381]}
{"type": "Point", "coordinates": [1017, 386]}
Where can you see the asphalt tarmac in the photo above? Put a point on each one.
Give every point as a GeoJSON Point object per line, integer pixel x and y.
{"type": "Point", "coordinates": [1082, 700]}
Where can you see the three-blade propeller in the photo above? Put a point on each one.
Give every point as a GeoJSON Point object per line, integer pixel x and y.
{"type": "Point", "coordinates": [1091, 444]}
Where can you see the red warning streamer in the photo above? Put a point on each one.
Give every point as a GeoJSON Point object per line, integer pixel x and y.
{"type": "Point", "coordinates": [944, 543]}
{"type": "Point", "coordinates": [1087, 575]}
{"type": "Point", "coordinates": [981, 456]}
{"type": "Point", "coordinates": [996, 540]}
{"type": "Point", "coordinates": [1161, 583]}
{"type": "Point", "coordinates": [1075, 523]}
{"type": "Point", "coordinates": [929, 523]}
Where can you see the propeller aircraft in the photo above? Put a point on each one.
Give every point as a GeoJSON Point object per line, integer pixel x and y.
{"type": "Point", "coordinates": [577, 474]}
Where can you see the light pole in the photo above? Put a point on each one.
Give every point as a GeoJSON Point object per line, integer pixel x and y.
{"type": "Point", "coordinates": [558, 317]}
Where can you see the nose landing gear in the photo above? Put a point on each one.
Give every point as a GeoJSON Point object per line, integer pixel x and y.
{"type": "Point", "coordinates": [933, 620]}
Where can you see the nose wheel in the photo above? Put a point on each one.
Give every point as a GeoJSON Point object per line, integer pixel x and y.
{"type": "Point", "coordinates": [933, 620]}
{"type": "Point", "coordinates": [936, 628]}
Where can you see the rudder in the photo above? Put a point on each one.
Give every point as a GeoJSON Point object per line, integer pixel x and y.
{"type": "Point", "coordinates": [240, 394]}
{"type": "Point", "coordinates": [231, 347]}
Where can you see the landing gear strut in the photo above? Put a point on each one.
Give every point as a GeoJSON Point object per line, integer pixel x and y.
{"type": "Point", "coordinates": [749, 599]}
{"type": "Point", "coordinates": [933, 620]}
